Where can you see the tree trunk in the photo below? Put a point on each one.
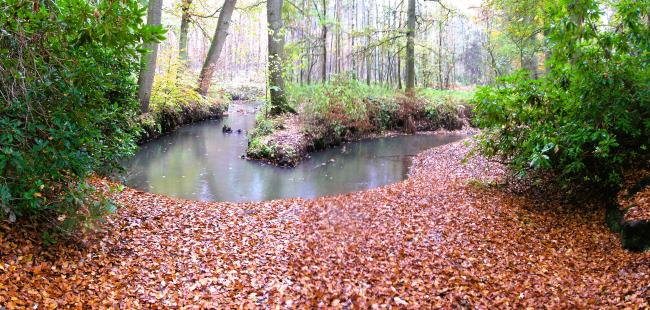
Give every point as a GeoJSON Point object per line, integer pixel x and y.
{"type": "Point", "coordinates": [368, 52]}
{"type": "Point", "coordinates": [337, 31]}
{"type": "Point", "coordinates": [185, 26]}
{"type": "Point", "coordinates": [148, 70]}
{"type": "Point", "coordinates": [440, 85]}
{"type": "Point", "coordinates": [275, 57]}
{"type": "Point", "coordinates": [218, 40]}
{"type": "Point", "coordinates": [399, 71]}
{"type": "Point", "coordinates": [410, 49]}
{"type": "Point", "coordinates": [324, 43]}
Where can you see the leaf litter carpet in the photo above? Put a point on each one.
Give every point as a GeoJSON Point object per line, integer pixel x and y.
{"type": "Point", "coordinates": [442, 238]}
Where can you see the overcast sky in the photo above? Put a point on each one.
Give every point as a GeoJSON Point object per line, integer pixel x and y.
{"type": "Point", "coordinates": [464, 5]}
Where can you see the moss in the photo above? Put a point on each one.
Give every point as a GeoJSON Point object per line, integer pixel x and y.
{"type": "Point", "coordinates": [257, 149]}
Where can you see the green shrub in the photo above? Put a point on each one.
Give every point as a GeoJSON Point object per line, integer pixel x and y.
{"type": "Point", "coordinates": [344, 105]}
{"type": "Point", "coordinates": [589, 117]}
{"type": "Point", "coordinates": [257, 149]}
{"type": "Point", "coordinates": [264, 126]}
{"type": "Point", "coordinates": [446, 108]}
{"type": "Point", "coordinates": [68, 102]}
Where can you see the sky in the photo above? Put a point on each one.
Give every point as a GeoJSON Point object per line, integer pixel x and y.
{"type": "Point", "coordinates": [465, 5]}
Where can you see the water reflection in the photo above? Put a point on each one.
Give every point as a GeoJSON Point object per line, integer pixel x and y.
{"type": "Point", "coordinates": [200, 162]}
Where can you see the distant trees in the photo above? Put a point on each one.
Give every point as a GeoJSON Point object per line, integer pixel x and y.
{"type": "Point", "coordinates": [367, 39]}
{"type": "Point", "coordinates": [148, 70]}
{"type": "Point", "coordinates": [376, 41]}
{"type": "Point", "coordinates": [522, 23]}
{"type": "Point", "coordinates": [323, 43]}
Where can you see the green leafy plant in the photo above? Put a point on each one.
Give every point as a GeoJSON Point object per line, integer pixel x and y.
{"type": "Point", "coordinates": [68, 103]}
{"type": "Point", "coordinates": [589, 117]}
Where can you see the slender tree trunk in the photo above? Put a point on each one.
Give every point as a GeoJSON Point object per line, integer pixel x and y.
{"type": "Point", "coordinates": [310, 66]}
{"type": "Point", "coordinates": [148, 70]}
{"type": "Point", "coordinates": [389, 70]}
{"type": "Point", "coordinates": [218, 40]}
{"type": "Point", "coordinates": [337, 35]}
{"type": "Point", "coordinates": [440, 55]}
{"type": "Point", "coordinates": [301, 80]}
{"type": "Point", "coordinates": [185, 26]}
{"type": "Point", "coordinates": [352, 54]}
{"type": "Point", "coordinates": [324, 43]}
{"type": "Point", "coordinates": [532, 65]}
{"type": "Point", "coordinates": [399, 71]}
{"type": "Point", "coordinates": [410, 48]}
{"type": "Point", "coordinates": [368, 51]}
{"type": "Point", "coordinates": [276, 57]}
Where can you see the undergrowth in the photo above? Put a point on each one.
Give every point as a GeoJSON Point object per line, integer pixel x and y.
{"type": "Point", "coordinates": [175, 100]}
{"type": "Point", "coordinates": [344, 109]}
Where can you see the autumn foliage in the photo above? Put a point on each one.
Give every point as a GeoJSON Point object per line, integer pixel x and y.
{"type": "Point", "coordinates": [452, 235]}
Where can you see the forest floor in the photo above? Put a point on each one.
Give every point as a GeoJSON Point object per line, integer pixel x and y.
{"type": "Point", "coordinates": [452, 234]}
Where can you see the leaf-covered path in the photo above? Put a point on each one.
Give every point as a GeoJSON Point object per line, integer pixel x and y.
{"type": "Point", "coordinates": [439, 238]}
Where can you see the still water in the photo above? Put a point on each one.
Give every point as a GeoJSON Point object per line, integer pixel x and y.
{"type": "Point", "coordinates": [200, 162]}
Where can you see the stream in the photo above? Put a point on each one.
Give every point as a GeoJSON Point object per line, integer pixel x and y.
{"type": "Point", "coordinates": [200, 162]}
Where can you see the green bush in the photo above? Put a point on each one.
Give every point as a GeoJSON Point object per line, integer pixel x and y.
{"type": "Point", "coordinates": [344, 104]}
{"type": "Point", "coordinates": [446, 108]}
{"type": "Point", "coordinates": [589, 117]}
{"type": "Point", "coordinates": [68, 102]}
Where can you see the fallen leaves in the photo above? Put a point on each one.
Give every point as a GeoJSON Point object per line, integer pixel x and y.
{"type": "Point", "coordinates": [434, 240]}
{"type": "Point", "coordinates": [638, 206]}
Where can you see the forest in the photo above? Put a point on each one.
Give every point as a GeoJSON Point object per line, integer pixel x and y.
{"type": "Point", "coordinates": [324, 154]}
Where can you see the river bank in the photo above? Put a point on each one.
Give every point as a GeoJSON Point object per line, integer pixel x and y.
{"type": "Point", "coordinates": [452, 235]}
{"type": "Point", "coordinates": [165, 120]}
{"type": "Point", "coordinates": [353, 112]}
